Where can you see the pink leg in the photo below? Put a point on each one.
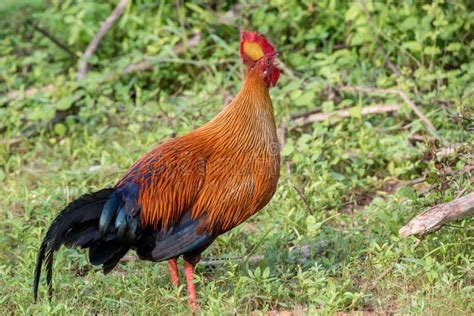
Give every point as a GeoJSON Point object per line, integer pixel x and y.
{"type": "Point", "coordinates": [189, 270]}
{"type": "Point", "coordinates": [173, 267]}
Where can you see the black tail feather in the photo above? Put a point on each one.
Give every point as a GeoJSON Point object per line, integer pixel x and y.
{"type": "Point", "coordinates": [76, 225]}
{"type": "Point", "coordinates": [102, 252]}
{"type": "Point", "coordinates": [112, 262]}
{"type": "Point", "coordinates": [39, 264]}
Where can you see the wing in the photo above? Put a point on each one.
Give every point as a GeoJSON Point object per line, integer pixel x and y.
{"type": "Point", "coordinates": [182, 238]}
{"type": "Point", "coordinates": [150, 207]}
{"type": "Point", "coordinates": [162, 186]}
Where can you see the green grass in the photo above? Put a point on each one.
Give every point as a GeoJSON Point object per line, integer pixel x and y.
{"type": "Point", "coordinates": [346, 184]}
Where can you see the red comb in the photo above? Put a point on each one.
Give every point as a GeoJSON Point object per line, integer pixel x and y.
{"type": "Point", "coordinates": [267, 48]}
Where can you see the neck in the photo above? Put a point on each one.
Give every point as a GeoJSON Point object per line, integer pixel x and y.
{"type": "Point", "coordinates": [253, 100]}
{"type": "Point", "coordinates": [248, 117]}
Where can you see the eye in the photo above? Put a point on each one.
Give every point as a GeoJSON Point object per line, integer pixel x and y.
{"type": "Point", "coordinates": [268, 62]}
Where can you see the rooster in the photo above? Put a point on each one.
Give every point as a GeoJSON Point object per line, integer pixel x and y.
{"type": "Point", "coordinates": [179, 197]}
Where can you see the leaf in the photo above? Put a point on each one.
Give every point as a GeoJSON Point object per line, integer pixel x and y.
{"type": "Point", "coordinates": [407, 192]}
{"type": "Point", "coordinates": [287, 150]}
{"type": "Point", "coordinates": [353, 12]}
{"type": "Point", "coordinates": [310, 220]}
{"type": "Point", "coordinates": [432, 50]}
{"type": "Point", "coordinates": [305, 99]}
{"type": "Point", "coordinates": [362, 36]}
{"type": "Point", "coordinates": [64, 103]}
{"type": "Point", "coordinates": [60, 129]}
{"type": "Point", "coordinates": [412, 46]}
{"type": "Point", "coordinates": [454, 47]}
{"type": "Point", "coordinates": [328, 106]}
{"type": "Point", "coordinates": [356, 111]}
{"type": "Point", "coordinates": [266, 273]}
{"type": "Point", "coordinates": [409, 23]}
{"type": "Point", "coordinates": [292, 86]}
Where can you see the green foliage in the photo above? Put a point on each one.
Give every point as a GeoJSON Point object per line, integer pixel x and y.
{"type": "Point", "coordinates": [345, 183]}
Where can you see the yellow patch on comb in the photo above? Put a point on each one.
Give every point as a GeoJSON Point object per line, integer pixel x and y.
{"type": "Point", "coordinates": [253, 50]}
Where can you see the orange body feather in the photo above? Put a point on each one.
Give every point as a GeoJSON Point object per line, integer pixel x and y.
{"type": "Point", "coordinates": [227, 169]}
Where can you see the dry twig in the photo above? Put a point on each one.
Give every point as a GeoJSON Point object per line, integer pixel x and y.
{"type": "Point", "coordinates": [303, 198]}
{"type": "Point", "coordinates": [430, 127]}
{"type": "Point", "coordinates": [90, 50]}
{"type": "Point", "coordinates": [337, 115]}
{"type": "Point", "coordinates": [49, 36]}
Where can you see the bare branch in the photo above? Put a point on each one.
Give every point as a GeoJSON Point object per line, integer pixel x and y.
{"type": "Point", "coordinates": [49, 36]}
{"type": "Point", "coordinates": [417, 111]}
{"type": "Point", "coordinates": [434, 217]}
{"type": "Point", "coordinates": [90, 50]}
{"type": "Point", "coordinates": [430, 127]}
{"type": "Point", "coordinates": [337, 115]}
{"type": "Point", "coordinates": [303, 198]}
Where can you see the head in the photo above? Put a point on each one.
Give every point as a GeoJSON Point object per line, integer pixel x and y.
{"type": "Point", "coordinates": [256, 51]}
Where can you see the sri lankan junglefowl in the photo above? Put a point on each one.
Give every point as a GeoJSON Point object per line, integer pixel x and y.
{"type": "Point", "coordinates": [179, 197]}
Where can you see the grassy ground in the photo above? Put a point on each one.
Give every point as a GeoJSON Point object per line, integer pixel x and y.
{"type": "Point", "coordinates": [344, 183]}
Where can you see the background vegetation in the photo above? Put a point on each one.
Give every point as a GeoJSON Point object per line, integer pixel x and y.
{"type": "Point", "coordinates": [347, 182]}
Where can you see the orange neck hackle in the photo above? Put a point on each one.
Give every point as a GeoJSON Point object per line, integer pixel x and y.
{"type": "Point", "coordinates": [250, 114]}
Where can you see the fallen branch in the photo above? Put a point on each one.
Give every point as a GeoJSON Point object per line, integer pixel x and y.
{"type": "Point", "coordinates": [429, 126]}
{"type": "Point", "coordinates": [337, 115]}
{"type": "Point", "coordinates": [434, 217]}
{"type": "Point", "coordinates": [90, 50]}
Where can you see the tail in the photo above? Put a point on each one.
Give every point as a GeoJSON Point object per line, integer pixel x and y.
{"type": "Point", "coordinates": [78, 225]}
